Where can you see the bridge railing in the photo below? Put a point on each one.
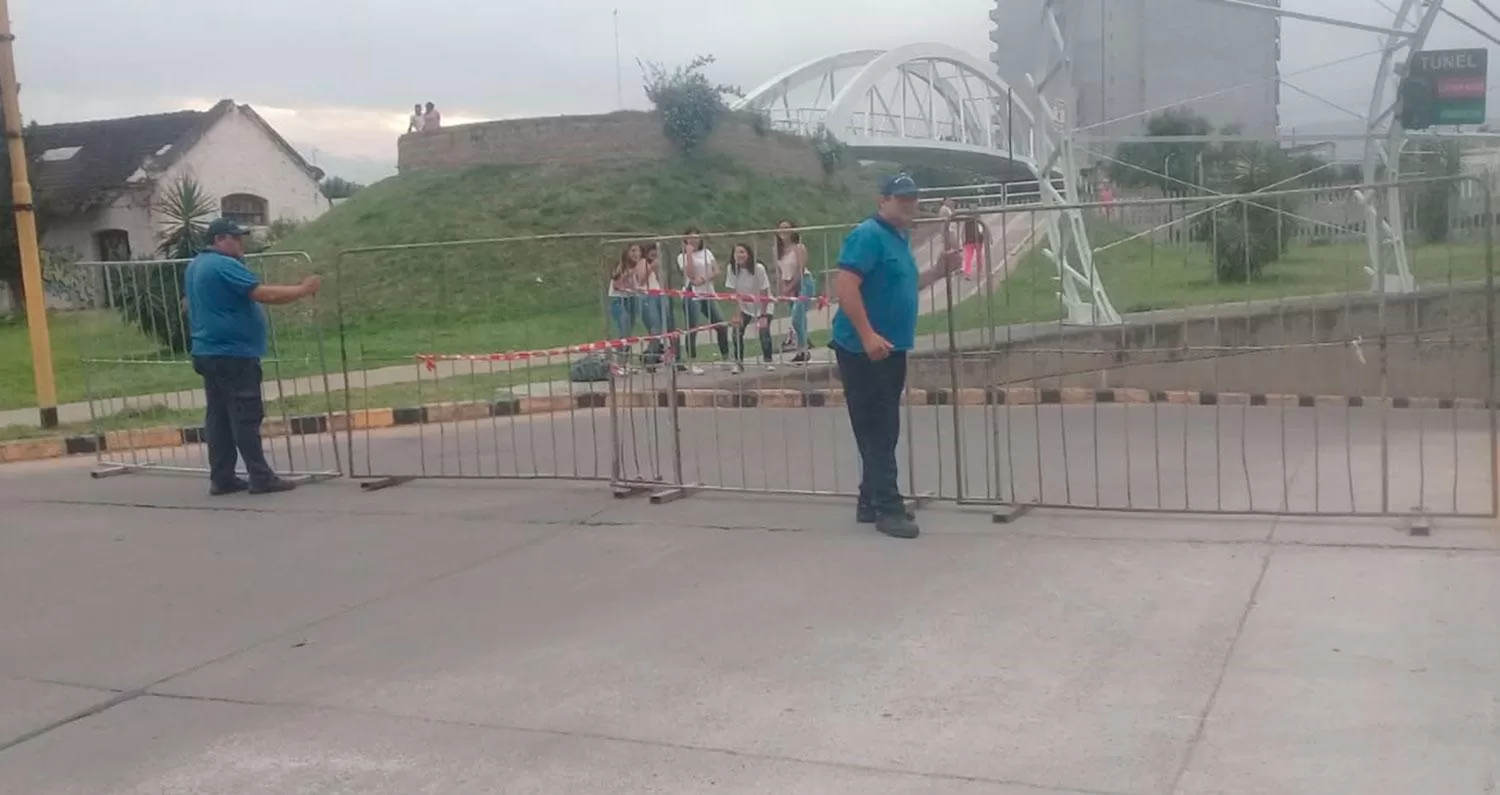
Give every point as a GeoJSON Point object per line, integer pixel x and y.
{"type": "Point", "coordinates": [988, 196]}
{"type": "Point", "coordinates": [954, 131]}
{"type": "Point", "coordinates": [809, 121]}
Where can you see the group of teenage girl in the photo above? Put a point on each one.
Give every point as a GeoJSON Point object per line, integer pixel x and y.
{"type": "Point", "coordinates": [639, 270]}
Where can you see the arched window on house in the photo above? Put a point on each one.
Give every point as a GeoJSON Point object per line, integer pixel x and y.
{"type": "Point", "coordinates": [245, 208]}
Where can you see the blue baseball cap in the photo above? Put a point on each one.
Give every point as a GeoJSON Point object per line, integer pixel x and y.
{"type": "Point", "coordinates": [901, 185]}
{"type": "Point", "coordinates": [226, 226]}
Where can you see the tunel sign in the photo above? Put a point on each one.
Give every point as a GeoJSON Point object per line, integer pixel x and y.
{"type": "Point", "coordinates": [1449, 86]}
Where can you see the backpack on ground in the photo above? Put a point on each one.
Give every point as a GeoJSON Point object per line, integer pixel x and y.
{"type": "Point", "coordinates": [593, 367]}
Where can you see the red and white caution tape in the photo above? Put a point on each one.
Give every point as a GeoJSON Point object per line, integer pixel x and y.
{"type": "Point", "coordinates": [821, 300]}
{"type": "Point", "coordinates": [430, 360]}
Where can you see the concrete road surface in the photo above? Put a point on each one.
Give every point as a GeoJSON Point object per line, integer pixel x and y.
{"type": "Point", "coordinates": [539, 637]}
{"type": "Point", "coordinates": [1138, 457]}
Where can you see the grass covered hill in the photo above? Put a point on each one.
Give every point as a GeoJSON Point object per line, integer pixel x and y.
{"type": "Point", "coordinates": [496, 296]}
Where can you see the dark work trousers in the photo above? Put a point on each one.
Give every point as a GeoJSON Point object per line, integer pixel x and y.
{"type": "Point", "coordinates": [701, 312]}
{"type": "Point", "coordinates": [873, 392]}
{"type": "Point", "coordinates": [231, 388]}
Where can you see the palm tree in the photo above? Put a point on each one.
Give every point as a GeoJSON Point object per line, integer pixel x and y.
{"type": "Point", "coordinates": [184, 211]}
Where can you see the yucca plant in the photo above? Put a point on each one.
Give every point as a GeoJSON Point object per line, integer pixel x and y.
{"type": "Point", "coordinates": [1246, 236]}
{"type": "Point", "coordinates": [183, 214]}
{"type": "Point", "coordinates": [151, 295]}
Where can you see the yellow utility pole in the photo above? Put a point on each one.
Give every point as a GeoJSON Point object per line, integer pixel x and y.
{"type": "Point", "coordinates": [31, 258]}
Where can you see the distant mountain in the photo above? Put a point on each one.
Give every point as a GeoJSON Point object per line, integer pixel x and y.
{"type": "Point", "coordinates": [364, 170]}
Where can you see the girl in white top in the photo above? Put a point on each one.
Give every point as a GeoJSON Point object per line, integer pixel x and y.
{"type": "Point", "coordinates": [748, 277]}
{"type": "Point", "coordinates": [699, 271]}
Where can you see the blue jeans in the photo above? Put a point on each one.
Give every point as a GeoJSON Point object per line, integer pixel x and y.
{"type": "Point", "coordinates": [654, 314]}
{"type": "Point", "coordinates": [800, 309]}
{"type": "Point", "coordinates": [623, 310]}
{"type": "Point", "coordinates": [873, 392]}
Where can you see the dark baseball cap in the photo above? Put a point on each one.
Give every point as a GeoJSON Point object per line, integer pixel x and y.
{"type": "Point", "coordinates": [225, 226]}
{"type": "Point", "coordinates": [901, 185]}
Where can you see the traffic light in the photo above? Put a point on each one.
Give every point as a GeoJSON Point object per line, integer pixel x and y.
{"type": "Point", "coordinates": [1418, 102]}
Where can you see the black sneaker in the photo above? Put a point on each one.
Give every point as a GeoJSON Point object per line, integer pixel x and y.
{"type": "Point", "coordinates": [233, 487]}
{"type": "Point", "coordinates": [897, 525]}
{"type": "Point", "coordinates": [866, 515]}
{"type": "Point", "coordinates": [272, 486]}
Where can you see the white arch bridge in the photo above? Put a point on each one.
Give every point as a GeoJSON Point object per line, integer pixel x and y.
{"type": "Point", "coordinates": [920, 103]}
{"type": "Point", "coordinates": [934, 104]}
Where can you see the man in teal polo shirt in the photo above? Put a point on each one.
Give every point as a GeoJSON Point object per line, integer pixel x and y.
{"type": "Point", "coordinates": [229, 338]}
{"type": "Point", "coordinates": [875, 327]}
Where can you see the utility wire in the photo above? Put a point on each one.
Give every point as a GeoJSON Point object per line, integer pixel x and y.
{"type": "Point", "coordinates": [1486, 9]}
{"type": "Point", "coordinates": [1466, 23]}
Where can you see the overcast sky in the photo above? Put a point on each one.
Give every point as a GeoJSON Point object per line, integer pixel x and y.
{"type": "Point", "coordinates": [337, 77]}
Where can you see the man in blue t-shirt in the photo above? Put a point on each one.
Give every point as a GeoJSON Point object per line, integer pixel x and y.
{"type": "Point", "coordinates": [875, 327]}
{"type": "Point", "coordinates": [229, 338]}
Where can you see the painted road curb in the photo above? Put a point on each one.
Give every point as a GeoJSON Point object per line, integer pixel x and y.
{"type": "Point", "coordinates": [467, 411]}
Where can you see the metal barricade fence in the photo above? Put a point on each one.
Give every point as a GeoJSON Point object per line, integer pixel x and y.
{"type": "Point", "coordinates": [724, 419]}
{"type": "Point", "coordinates": [1257, 370]}
{"type": "Point", "coordinates": [689, 414]}
{"type": "Point", "coordinates": [144, 401]}
{"type": "Point", "coordinates": [431, 348]}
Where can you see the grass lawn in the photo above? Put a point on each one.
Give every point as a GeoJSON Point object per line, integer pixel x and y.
{"type": "Point", "coordinates": [96, 352]}
{"type": "Point", "coordinates": [1142, 276]}
{"type": "Point", "coordinates": [76, 335]}
{"type": "Point", "coordinates": [478, 387]}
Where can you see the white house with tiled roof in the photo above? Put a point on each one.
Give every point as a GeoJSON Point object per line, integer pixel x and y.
{"type": "Point", "coordinates": [97, 182]}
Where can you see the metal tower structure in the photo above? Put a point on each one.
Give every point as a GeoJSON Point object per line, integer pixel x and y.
{"type": "Point", "coordinates": [1054, 100]}
{"type": "Point", "coordinates": [1389, 268]}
